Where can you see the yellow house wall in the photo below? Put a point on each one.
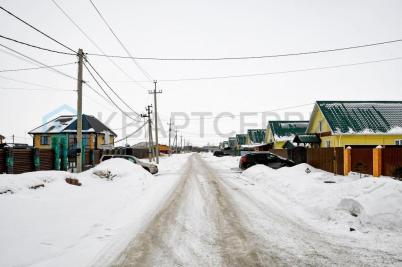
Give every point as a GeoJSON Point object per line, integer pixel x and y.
{"type": "Point", "coordinates": [279, 144]}
{"type": "Point", "coordinates": [269, 137]}
{"type": "Point", "coordinates": [315, 122]}
{"type": "Point", "coordinates": [37, 143]}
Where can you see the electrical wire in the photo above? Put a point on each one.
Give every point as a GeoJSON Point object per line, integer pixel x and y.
{"type": "Point", "coordinates": [38, 62]}
{"type": "Point", "coordinates": [33, 89]}
{"type": "Point", "coordinates": [29, 83]}
{"type": "Point", "coordinates": [274, 72]}
{"type": "Point", "coordinates": [103, 90]}
{"type": "Point", "coordinates": [38, 68]}
{"type": "Point", "coordinates": [114, 92]}
{"type": "Point", "coordinates": [136, 131]}
{"type": "Point", "coordinates": [36, 29]}
{"type": "Point", "coordinates": [253, 57]}
{"type": "Point", "coordinates": [95, 44]}
{"type": "Point", "coordinates": [35, 46]}
{"type": "Point", "coordinates": [146, 74]}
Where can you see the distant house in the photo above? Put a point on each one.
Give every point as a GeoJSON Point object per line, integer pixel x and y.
{"type": "Point", "coordinates": [280, 134]}
{"type": "Point", "coordinates": [256, 136]}
{"type": "Point", "coordinates": [344, 123]}
{"type": "Point", "coordinates": [232, 142]}
{"type": "Point", "coordinates": [2, 138]}
{"type": "Point", "coordinates": [164, 149]}
{"type": "Point", "coordinates": [95, 134]}
{"type": "Point", "coordinates": [241, 139]}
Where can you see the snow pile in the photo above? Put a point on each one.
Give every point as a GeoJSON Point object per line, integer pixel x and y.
{"type": "Point", "coordinates": [62, 224]}
{"type": "Point", "coordinates": [344, 201]}
{"type": "Point", "coordinates": [12, 184]}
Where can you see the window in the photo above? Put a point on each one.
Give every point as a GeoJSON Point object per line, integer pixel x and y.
{"type": "Point", "coordinates": [328, 143]}
{"type": "Point", "coordinates": [320, 126]}
{"type": "Point", "coordinates": [398, 142]}
{"type": "Point", "coordinates": [44, 140]}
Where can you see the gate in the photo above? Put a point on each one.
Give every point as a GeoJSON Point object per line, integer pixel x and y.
{"type": "Point", "coordinates": [362, 160]}
{"type": "Point", "coordinates": [392, 161]}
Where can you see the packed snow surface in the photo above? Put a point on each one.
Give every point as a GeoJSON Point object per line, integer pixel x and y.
{"type": "Point", "coordinates": [66, 225]}
{"type": "Point", "coordinates": [200, 210]}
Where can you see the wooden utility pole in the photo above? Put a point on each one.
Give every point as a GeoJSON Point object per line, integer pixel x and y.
{"type": "Point", "coordinates": [170, 131]}
{"type": "Point", "coordinates": [79, 110]}
{"type": "Point", "coordinates": [154, 92]}
{"type": "Point", "coordinates": [181, 143]}
{"type": "Point", "coordinates": [175, 139]}
{"type": "Point", "coordinates": [150, 141]}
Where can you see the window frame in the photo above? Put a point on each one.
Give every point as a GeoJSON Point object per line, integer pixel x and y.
{"type": "Point", "coordinates": [42, 138]}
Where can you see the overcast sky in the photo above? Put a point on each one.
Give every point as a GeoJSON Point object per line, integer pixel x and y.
{"type": "Point", "coordinates": [201, 29]}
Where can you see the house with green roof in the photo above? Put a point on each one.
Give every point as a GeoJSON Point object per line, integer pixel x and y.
{"type": "Point", "coordinates": [347, 123]}
{"type": "Point", "coordinates": [255, 136]}
{"type": "Point", "coordinates": [281, 133]}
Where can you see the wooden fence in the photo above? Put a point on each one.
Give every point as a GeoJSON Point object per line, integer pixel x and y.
{"type": "Point", "coordinates": [328, 159]}
{"type": "Point", "coordinates": [392, 161]}
{"type": "Point", "coordinates": [3, 165]}
{"type": "Point", "coordinates": [362, 160]}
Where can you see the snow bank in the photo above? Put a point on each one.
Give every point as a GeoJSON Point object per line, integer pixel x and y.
{"type": "Point", "coordinates": [343, 201]}
{"type": "Point", "coordinates": [66, 225]}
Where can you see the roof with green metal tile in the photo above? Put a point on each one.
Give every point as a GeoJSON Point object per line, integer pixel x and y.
{"type": "Point", "coordinates": [287, 129]}
{"type": "Point", "coordinates": [257, 136]}
{"type": "Point", "coordinates": [241, 139]}
{"type": "Point", "coordinates": [363, 117]}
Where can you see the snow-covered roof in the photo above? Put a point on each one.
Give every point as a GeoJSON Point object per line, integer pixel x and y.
{"type": "Point", "coordinates": [287, 130]}
{"type": "Point", "coordinates": [363, 117]}
{"type": "Point", "coordinates": [68, 124]}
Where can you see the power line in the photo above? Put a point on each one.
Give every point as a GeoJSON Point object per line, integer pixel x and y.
{"type": "Point", "coordinates": [38, 68]}
{"type": "Point", "coordinates": [239, 115]}
{"type": "Point", "coordinates": [146, 74]}
{"type": "Point", "coordinates": [35, 46]}
{"type": "Point", "coordinates": [33, 89]}
{"type": "Point", "coordinates": [136, 131]}
{"type": "Point", "coordinates": [39, 63]}
{"type": "Point", "coordinates": [94, 43]}
{"type": "Point", "coordinates": [111, 100]}
{"type": "Point", "coordinates": [114, 92]}
{"type": "Point", "coordinates": [36, 29]}
{"type": "Point", "coordinates": [252, 57]}
{"type": "Point", "coordinates": [276, 72]}
{"type": "Point", "coordinates": [29, 83]}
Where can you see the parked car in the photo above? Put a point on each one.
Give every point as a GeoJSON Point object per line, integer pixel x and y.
{"type": "Point", "coordinates": [223, 152]}
{"type": "Point", "coordinates": [265, 158]}
{"type": "Point", "coordinates": [152, 168]}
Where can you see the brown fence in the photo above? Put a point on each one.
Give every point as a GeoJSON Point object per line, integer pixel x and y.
{"type": "Point", "coordinates": [46, 159]}
{"type": "Point", "coordinates": [362, 160]}
{"type": "Point", "coordinates": [392, 161]}
{"type": "Point", "coordinates": [328, 159]}
{"type": "Point", "coordinates": [280, 152]}
{"type": "Point", "coordinates": [2, 161]}
{"type": "Point", "coordinates": [23, 161]}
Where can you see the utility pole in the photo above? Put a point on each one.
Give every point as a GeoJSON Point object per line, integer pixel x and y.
{"type": "Point", "coordinates": [13, 139]}
{"type": "Point", "coordinates": [150, 142]}
{"type": "Point", "coordinates": [79, 110]}
{"type": "Point", "coordinates": [170, 130]}
{"type": "Point", "coordinates": [181, 143]}
{"type": "Point", "coordinates": [175, 139]}
{"type": "Point", "coordinates": [154, 92]}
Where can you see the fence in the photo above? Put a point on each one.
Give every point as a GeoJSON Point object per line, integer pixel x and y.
{"type": "Point", "coordinates": [3, 166]}
{"type": "Point", "coordinates": [362, 159]}
{"type": "Point", "coordinates": [328, 159]}
{"type": "Point", "coordinates": [392, 161]}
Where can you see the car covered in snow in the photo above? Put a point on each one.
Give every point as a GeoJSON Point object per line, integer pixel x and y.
{"type": "Point", "coordinates": [152, 168]}
{"type": "Point", "coordinates": [266, 158]}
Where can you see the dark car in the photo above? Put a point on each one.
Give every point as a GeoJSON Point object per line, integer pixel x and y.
{"type": "Point", "coordinates": [224, 152]}
{"type": "Point", "coordinates": [266, 158]}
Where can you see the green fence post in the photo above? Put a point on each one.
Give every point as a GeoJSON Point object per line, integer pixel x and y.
{"type": "Point", "coordinates": [56, 149]}
{"type": "Point", "coordinates": [9, 160]}
{"type": "Point", "coordinates": [36, 155]}
{"type": "Point", "coordinates": [64, 152]}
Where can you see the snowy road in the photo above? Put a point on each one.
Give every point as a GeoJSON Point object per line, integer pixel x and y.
{"type": "Point", "coordinates": [216, 218]}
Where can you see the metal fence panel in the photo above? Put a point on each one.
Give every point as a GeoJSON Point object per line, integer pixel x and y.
{"type": "Point", "coordinates": [362, 160]}
{"type": "Point", "coordinates": [392, 161]}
